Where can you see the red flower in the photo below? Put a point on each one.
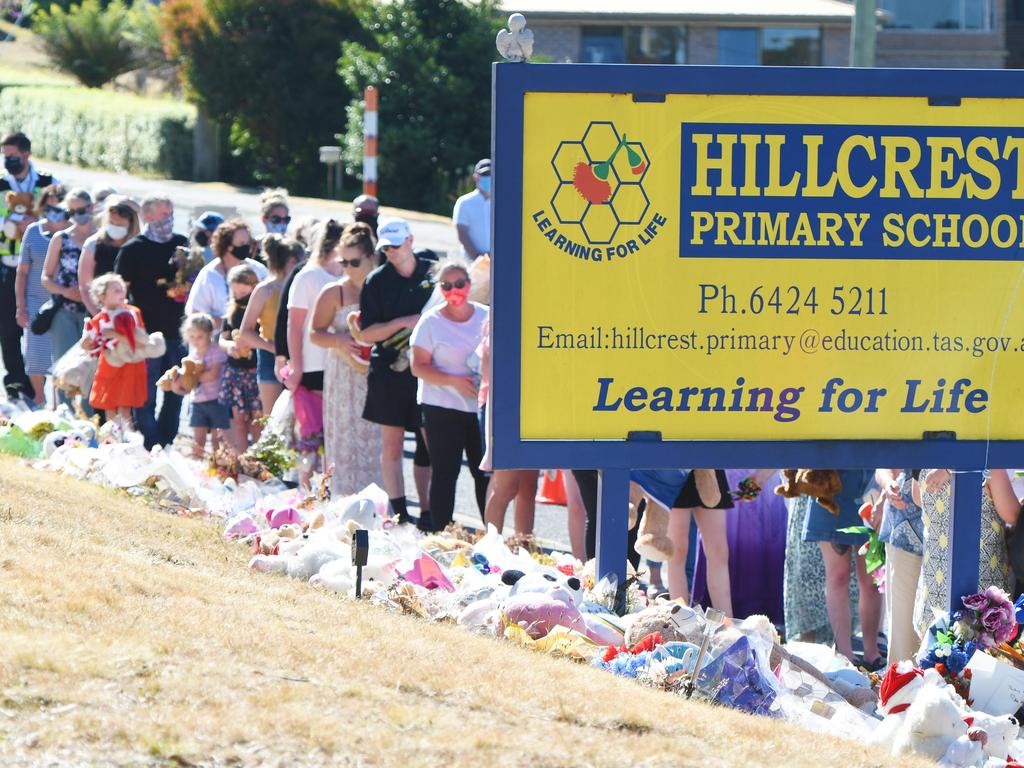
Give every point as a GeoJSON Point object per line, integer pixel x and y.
{"type": "Point", "coordinates": [591, 188]}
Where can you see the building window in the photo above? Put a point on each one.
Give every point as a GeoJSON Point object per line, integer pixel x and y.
{"type": "Point", "coordinates": [961, 15]}
{"type": "Point", "coordinates": [737, 46]}
{"type": "Point", "coordinates": [779, 46]}
{"type": "Point", "coordinates": [655, 45]}
{"type": "Point", "coordinates": [603, 45]}
{"type": "Point", "coordinates": [791, 47]}
{"type": "Point", "coordinates": [633, 45]}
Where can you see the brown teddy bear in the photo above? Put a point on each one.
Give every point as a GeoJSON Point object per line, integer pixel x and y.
{"type": "Point", "coordinates": [675, 622]}
{"type": "Point", "coordinates": [186, 376]}
{"type": "Point", "coordinates": [652, 541]}
{"type": "Point", "coordinates": [19, 205]}
{"type": "Point", "coordinates": [822, 484]}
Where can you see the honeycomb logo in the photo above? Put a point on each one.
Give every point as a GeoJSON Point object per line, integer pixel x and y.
{"type": "Point", "coordinates": [600, 182]}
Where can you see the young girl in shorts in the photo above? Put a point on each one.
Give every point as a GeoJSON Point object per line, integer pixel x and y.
{"type": "Point", "coordinates": [208, 414]}
{"type": "Point", "coordinates": [115, 390]}
{"type": "Point", "coordinates": [239, 388]}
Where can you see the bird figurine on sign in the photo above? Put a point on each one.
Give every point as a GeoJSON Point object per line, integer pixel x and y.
{"type": "Point", "coordinates": [516, 42]}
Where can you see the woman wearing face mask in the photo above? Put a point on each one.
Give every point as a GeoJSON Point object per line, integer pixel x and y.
{"type": "Point", "coordinates": [232, 245]}
{"type": "Point", "coordinates": [444, 359]}
{"type": "Point", "coordinates": [29, 287]}
{"type": "Point", "coordinates": [351, 443]}
{"type": "Point", "coordinates": [60, 273]}
{"type": "Point", "coordinates": [118, 224]}
{"type": "Point", "coordinates": [274, 209]}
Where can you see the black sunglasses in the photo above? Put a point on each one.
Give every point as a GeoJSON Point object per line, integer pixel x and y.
{"type": "Point", "coordinates": [78, 211]}
{"type": "Point", "coordinates": [460, 283]}
{"type": "Point", "coordinates": [280, 219]}
{"type": "Point", "coordinates": [350, 262]}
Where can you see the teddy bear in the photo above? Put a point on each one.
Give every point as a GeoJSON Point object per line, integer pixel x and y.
{"type": "Point", "coordinates": [186, 376]}
{"type": "Point", "coordinates": [934, 727]}
{"type": "Point", "coordinates": [652, 541]}
{"type": "Point", "coordinates": [674, 621]}
{"type": "Point", "coordinates": [1001, 730]}
{"type": "Point", "coordinates": [146, 345]}
{"type": "Point", "coordinates": [19, 205]}
{"type": "Point", "coordinates": [822, 484]}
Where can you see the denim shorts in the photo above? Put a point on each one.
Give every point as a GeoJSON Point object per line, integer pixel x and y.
{"type": "Point", "coordinates": [211, 414]}
{"type": "Point", "coordinates": [265, 367]}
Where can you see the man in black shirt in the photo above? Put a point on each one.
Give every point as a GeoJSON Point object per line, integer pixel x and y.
{"type": "Point", "coordinates": [145, 264]}
{"type": "Point", "coordinates": [390, 304]}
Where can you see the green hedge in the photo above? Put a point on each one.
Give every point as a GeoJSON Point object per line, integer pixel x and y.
{"type": "Point", "coordinates": [103, 129]}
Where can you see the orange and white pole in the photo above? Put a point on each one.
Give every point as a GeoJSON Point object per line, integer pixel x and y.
{"type": "Point", "coordinates": [370, 141]}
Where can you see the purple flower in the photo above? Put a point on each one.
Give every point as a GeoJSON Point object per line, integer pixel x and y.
{"type": "Point", "coordinates": [976, 602]}
{"type": "Point", "coordinates": [987, 640]}
{"type": "Point", "coordinates": [993, 618]}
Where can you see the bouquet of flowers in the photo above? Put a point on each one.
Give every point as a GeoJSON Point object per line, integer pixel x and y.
{"type": "Point", "coordinates": [988, 619]}
{"type": "Point", "coordinates": [187, 264]}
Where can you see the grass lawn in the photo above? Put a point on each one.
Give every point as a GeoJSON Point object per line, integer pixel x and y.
{"type": "Point", "coordinates": [132, 637]}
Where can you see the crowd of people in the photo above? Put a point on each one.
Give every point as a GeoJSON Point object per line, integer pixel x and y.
{"type": "Point", "coordinates": [367, 339]}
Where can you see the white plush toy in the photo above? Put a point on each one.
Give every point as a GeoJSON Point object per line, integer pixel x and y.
{"type": "Point", "coordinates": [933, 727]}
{"type": "Point", "coordinates": [1002, 731]}
{"type": "Point", "coordinates": [312, 554]}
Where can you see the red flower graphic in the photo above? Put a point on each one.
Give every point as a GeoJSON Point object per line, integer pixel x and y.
{"type": "Point", "coordinates": [591, 188]}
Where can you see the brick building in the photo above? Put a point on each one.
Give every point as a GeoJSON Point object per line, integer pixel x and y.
{"type": "Point", "coordinates": [913, 33]}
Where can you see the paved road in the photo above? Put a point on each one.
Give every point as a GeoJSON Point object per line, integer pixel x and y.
{"type": "Point", "coordinates": [429, 230]}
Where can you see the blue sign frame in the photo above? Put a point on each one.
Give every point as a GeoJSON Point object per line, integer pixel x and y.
{"type": "Point", "coordinates": [511, 82]}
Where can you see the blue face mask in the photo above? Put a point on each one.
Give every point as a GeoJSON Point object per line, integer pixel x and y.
{"type": "Point", "coordinates": [485, 184]}
{"type": "Point", "coordinates": [277, 229]}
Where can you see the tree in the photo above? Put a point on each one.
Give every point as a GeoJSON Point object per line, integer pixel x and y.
{"type": "Point", "coordinates": [257, 67]}
{"type": "Point", "coordinates": [89, 41]}
{"type": "Point", "coordinates": [431, 62]}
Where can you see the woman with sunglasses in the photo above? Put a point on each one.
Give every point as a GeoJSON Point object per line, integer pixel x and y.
{"type": "Point", "coordinates": [351, 443]}
{"type": "Point", "coordinates": [28, 287]}
{"type": "Point", "coordinates": [119, 223]}
{"type": "Point", "coordinates": [444, 359]}
{"type": "Point", "coordinates": [232, 245]}
{"type": "Point", "coordinates": [60, 274]}
{"type": "Point", "coordinates": [274, 211]}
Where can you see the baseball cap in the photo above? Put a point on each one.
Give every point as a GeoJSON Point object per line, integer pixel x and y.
{"type": "Point", "coordinates": [483, 168]}
{"type": "Point", "coordinates": [392, 232]}
{"type": "Point", "coordinates": [210, 220]}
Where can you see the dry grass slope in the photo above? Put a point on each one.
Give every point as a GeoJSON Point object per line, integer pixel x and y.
{"type": "Point", "coordinates": [130, 637]}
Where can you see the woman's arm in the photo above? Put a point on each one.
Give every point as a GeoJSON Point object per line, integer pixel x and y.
{"type": "Point", "coordinates": [296, 331]}
{"type": "Point", "coordinates": [423, 368]}
{"type": "Point", "coordinates": [1001, 490]}
{"type": "Point", "coordinates": [383, 331]}
{"type": "Point", "coordinates": [327, 305]}
{"type": "Point", "coordinates": [253, 310]}
{"type": "Point", "coordinates": [20, 285]}
{"type": "Point", "coordinates": [86, 273]}
{"type": "Point", "coordinates": [50, 266]}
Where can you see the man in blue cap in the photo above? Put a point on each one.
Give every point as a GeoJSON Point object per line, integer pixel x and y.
{"type": "Point", "coordinates": [202, 231]}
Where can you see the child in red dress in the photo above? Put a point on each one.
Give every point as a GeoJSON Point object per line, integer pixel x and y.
{"type": "Point", "coordinates": [115, 389]}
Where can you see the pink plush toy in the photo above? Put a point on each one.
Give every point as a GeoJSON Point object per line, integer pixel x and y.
{"type": "Point", "coordinates": [540, 612]}
{"type": "Point", "coordinates": [278, 517]}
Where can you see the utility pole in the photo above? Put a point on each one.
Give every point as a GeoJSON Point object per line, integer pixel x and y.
{"type": "Point", "coordinates": [862, 33]}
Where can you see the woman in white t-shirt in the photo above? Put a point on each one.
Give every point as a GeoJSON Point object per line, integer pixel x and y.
{"type": "Point", "coordinates": [444, 359]}
{"type": "Point", "coordinates": [304, 374]}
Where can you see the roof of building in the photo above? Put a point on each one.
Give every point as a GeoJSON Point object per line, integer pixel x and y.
{"type": "Point", "coordinates": [666, 10]}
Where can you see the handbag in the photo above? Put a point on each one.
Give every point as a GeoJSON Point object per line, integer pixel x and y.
{"type": "Point", "coordinates": [44, 317]}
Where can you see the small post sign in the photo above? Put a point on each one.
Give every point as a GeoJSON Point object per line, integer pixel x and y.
{"type": "Point", "coordinates": [754, 267]}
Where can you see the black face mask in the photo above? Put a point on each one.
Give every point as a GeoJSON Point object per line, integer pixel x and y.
{"type": "Point", "coordinates": [241, 251]}
{"type": "Point", "coordinates": [14, 164]}
{"type": "Point", "coordinates": [202, 238]}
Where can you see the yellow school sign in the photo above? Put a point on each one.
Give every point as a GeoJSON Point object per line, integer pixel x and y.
{"type": "Point", "coordinates": [716, 266]}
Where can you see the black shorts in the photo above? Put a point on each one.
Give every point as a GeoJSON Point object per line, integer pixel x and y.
{"type": "Point", "coordinates": [689, 498]}
{"type": "Point", "coordinates": [391, 400]}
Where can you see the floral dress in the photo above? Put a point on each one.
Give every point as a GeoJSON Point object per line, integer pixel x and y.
{"type": "Point", "coordinates": [993, 564]}
{"type": "Point", "coordinates": [351, 443]}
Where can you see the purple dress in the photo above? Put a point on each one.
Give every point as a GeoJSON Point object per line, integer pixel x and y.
{"type": "Point", "coordinates": [756, 532]}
